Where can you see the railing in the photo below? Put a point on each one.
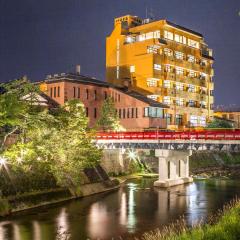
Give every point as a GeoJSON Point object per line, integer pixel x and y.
{"type": "Point", "coordinates": [160, 135]}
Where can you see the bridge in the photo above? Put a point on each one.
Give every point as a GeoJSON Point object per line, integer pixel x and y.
{"type": "Point", "coordinates": [172, 148]}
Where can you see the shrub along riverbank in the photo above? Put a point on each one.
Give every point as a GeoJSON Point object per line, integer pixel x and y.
{"type": "Point", "coordinates": [215, 164]}
{"type": "Point", "coordinates": [225, 225]}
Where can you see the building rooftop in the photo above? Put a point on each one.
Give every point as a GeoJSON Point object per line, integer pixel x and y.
{"type": "Point", "coordinates": [77, 78]}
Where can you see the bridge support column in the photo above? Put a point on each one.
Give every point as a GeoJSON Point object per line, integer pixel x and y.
{"type": "Point", "coordinates": [173, 167]}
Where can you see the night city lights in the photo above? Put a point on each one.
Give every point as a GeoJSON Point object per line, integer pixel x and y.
{"type": "Point", "coordinates": [119, 120]}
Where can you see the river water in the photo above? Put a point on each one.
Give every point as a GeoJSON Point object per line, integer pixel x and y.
{"type": "Point", "coordinates": [128, 212]}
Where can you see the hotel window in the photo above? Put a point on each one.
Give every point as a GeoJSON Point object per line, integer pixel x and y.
{"type": "Point", "coordinates": [203, 76]}
{"type": "Point", "coordinates": [87, 93]}
{"type": "Point", "coordinates": [180, 39]}
{"type": "Point", "coordinates": [58, 92]}
{"type": "Point", "coordinates": [193, 120]}
{"type": "Point", "coordinates": [179, 55]}
{"type": "Point", "coordinates": [179, 86]}
{"type": "Point", "coordinates": [74, 92]}
{"type": "Point", "coordinates": [179, 71]}
{"type": "Point", "coordinates": [51, 92]}
{"type": "Point", "coordinates": [168, 117]}
{"type": "Point", "coordinates": [55, 91]}
{"type": "Point", "coordinates": [167, 100]}
{"type": "Point", "coordinates": [95, 112]}
{"type": "Point", "coordinates": [157, 67]}
{"type": "Point", "coordinates": [136, 110]}
{"type": "Point", "coordinates": [191, 103]}
{"type": "Point", "coordinates": [193, 43]}
{"type": "Point", "coordinates": [168, 68]}
{"type": "Point", "coordinates": [156, 34]}
{"type": "Point", "coordinates": [179, 119]}
{"type": "Point", "coordinates": [141, 37]}
{"type": "Point", "coordinates": [191, 59]}
{"type": "Point", "coordinates": [191, 88]}
{"type": "Point", "coordinates": [151, 82]}
{"type": "Point", "coordinates": [149, 35]}
{"type": "Point", "coordinates": [119, 97]}
{"type": "Point", "coordinates": [202, 121]}
{"type": "Point", "coordinates": [166, 84]}
{"type": "Point", "coordinates": [179, 101]}
{"type": "Point", "coordinates": [132, 69]}
{"type": "Point", "coordinates": [168, 52]}
{"type": "Point", "coordinates": [203, 104]}
{"type": "Point", "coordinates": [86, 112]}
{"type": "Point", "coordinates": [192, 74]}
{"type": "Point", "coordinates": [95, 94]}
{"type": "Point", "coordinates": [78, 93]}
{"type": "Point", "coordinates": [168, 35]}
{"type": "Point", "coordinates": [152, 49]}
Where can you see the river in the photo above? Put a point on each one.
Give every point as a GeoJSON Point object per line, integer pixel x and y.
{"type": "Point", "coordinates": [128, 212]}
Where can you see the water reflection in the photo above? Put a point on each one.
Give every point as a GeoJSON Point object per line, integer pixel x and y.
{"type": "Point", "coordinates": [62, 224]}
{"type": "Point", "coordinates": [133, 209]}
{"type": "Point", "coordinates": [131, 221]}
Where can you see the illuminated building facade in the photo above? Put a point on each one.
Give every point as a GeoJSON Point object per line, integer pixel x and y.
{"type": "Point", "coordinates": [165, 62]}
{"type": "Point", "coordinates": [135, 111]}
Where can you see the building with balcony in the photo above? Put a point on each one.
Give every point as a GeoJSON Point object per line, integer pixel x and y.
{"type": "Point", "coordinates": [135, 111]}
{"type": "Point", "coordinates": [165, 62]}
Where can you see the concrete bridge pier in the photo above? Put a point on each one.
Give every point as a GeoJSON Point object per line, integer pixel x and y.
{"type": "Point", "coordinates": [173, 167]}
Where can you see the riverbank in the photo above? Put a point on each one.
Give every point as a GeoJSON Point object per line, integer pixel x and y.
{"type": "Point", "coordinates": [224, 225]}
{"type": "Point", "coordinates": [215, 164]}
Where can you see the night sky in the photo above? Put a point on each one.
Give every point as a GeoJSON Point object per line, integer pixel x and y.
{"type": "Point", "coordinates": [40, 37]}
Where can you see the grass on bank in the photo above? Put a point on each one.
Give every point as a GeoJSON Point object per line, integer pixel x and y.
{"type": "Point", "coordinates": [223, 226]}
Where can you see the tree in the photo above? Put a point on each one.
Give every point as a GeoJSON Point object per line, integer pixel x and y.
{"type": "Point", "coordinates": [58, 142]}
{"type": "Point", "coordinates": [13, 110]}
{"type": "Point", "coordinates": [219, 123]}
{"type": "Point", "coordinates": [108, 117]}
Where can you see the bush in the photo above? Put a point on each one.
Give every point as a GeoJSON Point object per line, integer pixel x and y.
{"type": "Point", "coordinates": [4, 207]}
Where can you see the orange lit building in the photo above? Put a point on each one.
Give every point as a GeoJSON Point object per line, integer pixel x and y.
{"type": "Point", "coordinates": [165, 62]}
{"type": "Point", "coordinates": [135, 111]}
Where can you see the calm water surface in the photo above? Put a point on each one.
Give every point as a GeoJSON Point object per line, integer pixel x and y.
{"type": "Point", "coordinates": [133, 209]}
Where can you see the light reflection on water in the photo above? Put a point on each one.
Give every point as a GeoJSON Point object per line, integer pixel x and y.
{"type": "Point", "coordinates": [133, 209]}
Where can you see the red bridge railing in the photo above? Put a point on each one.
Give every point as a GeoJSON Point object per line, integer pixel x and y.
{"type": "Point", "coordinates": [161, 135]}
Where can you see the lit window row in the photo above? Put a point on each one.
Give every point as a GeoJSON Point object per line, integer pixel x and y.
{"type": "Point", "coordinates": [181, 39]}
{"type": "Point", "coordinates": [197, 121]}
{"type": "Point", "coordinates": [181, 87]}
{"type": "Point", "coordinates": [181, 102]}
{"type": "Point", "coordinates": [184, 71]}
{"type": "Point", "coordinates": [143, 37]}
{"type": "Point", "coordinates": [181, 56]}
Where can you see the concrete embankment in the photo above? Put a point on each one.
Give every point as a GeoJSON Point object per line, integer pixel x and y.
{"type": "Point", "coordinates": [95, 180]}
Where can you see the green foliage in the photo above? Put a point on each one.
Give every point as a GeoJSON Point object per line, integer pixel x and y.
{"type": "Point", "coordinates": [59, 143]}
{"type": "Point", "coordinates": [108, 118]}
{"type": "Point", "coordinates": [219, 123]}
{"type": "Point", "coordinates": [4, 207]}
{"type": "Point", "coordinates": [13, 108]}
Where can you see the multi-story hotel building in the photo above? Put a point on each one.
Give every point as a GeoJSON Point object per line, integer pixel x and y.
{"type": "Point", "coordinates": [135, 111]}
{"type": "Point", "coordinates": [165, 62]}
